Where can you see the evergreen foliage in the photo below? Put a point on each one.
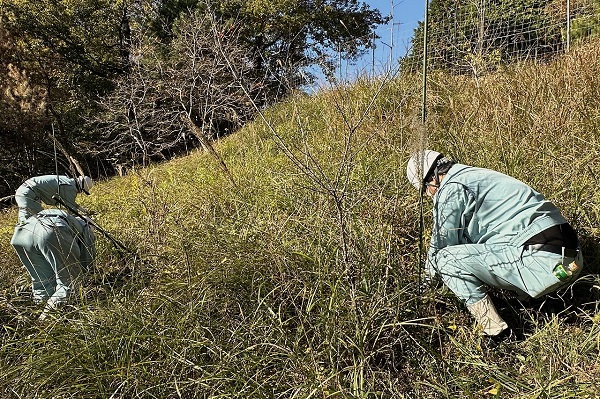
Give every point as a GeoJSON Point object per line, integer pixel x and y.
{"type": "Point", "coordinates": [586, 24]}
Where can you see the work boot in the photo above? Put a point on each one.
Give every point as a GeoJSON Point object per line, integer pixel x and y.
{"type": "Point", "coordinates": [49, 311]}
{"type": "Point", "coordinates": [487, 317]}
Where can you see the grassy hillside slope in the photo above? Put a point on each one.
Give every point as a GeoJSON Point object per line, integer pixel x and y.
{"type": "Point", "coordinates": [300, 279]}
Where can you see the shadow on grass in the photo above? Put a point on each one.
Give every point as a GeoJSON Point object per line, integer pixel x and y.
{"type": "Point", "coordinates": [124, 272]}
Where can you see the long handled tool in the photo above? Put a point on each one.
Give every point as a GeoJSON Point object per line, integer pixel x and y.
{"type": "Point", "coordinates": [118, 244]}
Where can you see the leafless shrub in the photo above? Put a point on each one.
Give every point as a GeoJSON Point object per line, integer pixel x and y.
{"type": "Point", "coordinates": [178, 96]}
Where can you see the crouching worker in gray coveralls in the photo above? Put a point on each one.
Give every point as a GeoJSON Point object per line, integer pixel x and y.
{"type": "Point", "coordinates": [55, 247]}
{"type": "Point", "coordinates": [491, 230]}
{"type": "Point", "coordinates": [34, 191]}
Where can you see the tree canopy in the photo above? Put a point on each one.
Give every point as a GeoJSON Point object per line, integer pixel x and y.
{"type": "Point", "coordinates": [69, 65]}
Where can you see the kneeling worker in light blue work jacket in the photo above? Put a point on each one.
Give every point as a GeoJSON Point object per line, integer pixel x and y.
{"type": "Point", "coordinates": [491, 230]}
{"type": "Point", "coordinates": [55, 248]}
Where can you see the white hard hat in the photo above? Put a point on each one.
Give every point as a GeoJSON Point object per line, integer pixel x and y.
{"type": "Point", "coordinates": [420, 165]}
{"type": "Point", "coordinates": [85, 184]}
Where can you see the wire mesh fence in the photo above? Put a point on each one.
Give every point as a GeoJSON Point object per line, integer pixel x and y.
{"type": "Point", "coordinates": [476, 36]}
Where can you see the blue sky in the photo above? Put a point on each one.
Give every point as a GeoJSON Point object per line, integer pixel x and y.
{"type": "Point", "coordinates": [394, 37]}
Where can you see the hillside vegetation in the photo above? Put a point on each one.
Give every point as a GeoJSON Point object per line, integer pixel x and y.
{"type": "Point", "coordinates": [299, 279]}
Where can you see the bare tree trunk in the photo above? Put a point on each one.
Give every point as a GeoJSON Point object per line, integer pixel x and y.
{"type": "Point", "coordinates": [208, 146]}
{"type": "Point", "coordinates": [74, 165]}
